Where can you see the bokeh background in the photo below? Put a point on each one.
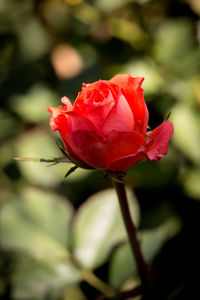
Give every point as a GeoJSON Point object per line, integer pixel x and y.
{"type": "Point", "coordinates": [47, 49]}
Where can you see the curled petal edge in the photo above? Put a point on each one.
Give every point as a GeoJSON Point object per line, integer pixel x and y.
{"type": "Point", "coordinates": [54, 111]}
{"type": "Point", "coordinates": [156, 145]}
{"type": "Point", "coordinates": [132, 86]}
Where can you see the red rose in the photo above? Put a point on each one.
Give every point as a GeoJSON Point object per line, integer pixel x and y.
{"type": "Point", "coordinates": [107, 126]}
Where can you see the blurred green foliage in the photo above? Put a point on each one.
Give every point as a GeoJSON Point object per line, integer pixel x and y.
{"type": "Point", "coordinates": [54, 231]}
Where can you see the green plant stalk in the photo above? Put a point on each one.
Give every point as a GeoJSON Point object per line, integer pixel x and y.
{"type": "Point", "coordinates": [132, 235]}
{"type": "Point", "coordinates": [97, 283]}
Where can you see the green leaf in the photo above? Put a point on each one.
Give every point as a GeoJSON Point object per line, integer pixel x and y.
{"type": "Point", "coordinates": [123, 265]}
{"type": "Point", "coordinates": [33, 105]}
{"type": "Point", "coordinates": [109, 5]}
{"type": "Point", "coordinates": [37, 223]}
{"type": "Point", "coordinates": [74, 293]}
{"type": "Point", "coordinates": [186, 133]}
{"type": "Point", "coordinates": [191, 183]}
{"type": "Point", "coordinates": [34, 40]}
{"type": "Point", "coordinates": [128, 31]}
{"type": "Point", "coordinates": [8, 125]}
{"type": "Point", "coordinates": [99, 227]}
{"type": "Point", "coordinates": [5, 153]}
{"type": "Point", "coordinates": [153, 240]}
{"type": "Point", "coordinates": [40, 281]}
{"type": "Point", "coordinates": [51, 212]}
{"type": "Point", "coordinates": [174, 36]}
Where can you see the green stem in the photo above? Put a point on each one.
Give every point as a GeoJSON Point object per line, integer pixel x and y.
{"type": "Point", "coordinates": [132, 234]}
{"type": "Point", "coordinates": [97, 283]}
{"type": "Point", "coordinates": [124, 295]}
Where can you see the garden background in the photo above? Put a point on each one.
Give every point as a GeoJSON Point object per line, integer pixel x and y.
{"type": "Point", "coordinates": [47, 49]}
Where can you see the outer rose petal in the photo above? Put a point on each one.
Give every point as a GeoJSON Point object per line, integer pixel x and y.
{"type": "Point", "coordinates": [88, 147]}
{"type": "Point", "coordinates": [77, 160]}
{"type": "Point", "coordinates": [54, 111]}
{"type": "Point", "coordinates": [71, 121]}
{"type": "Point", "coordinates": [121, 144]}
{"type": "Point", "coordinates": [155, 147]}
{"type": "Point", "coordinates": [97, 152]}
{"type": "Point", "coordinates": [125, 162]}
{"type": "Point", "coordinates": [131, 88]}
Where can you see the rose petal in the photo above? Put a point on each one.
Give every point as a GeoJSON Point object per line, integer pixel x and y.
{"type": "Point", "coordinates": [120, 117]}
{"type": "Point", "coordinates": [87, 98]}
{"type": "Point", "coordinates": [98, 114]}
{"type": "Point", "coordinates": [88, 147]}
{"type": "Point", "coordinates": [132, 91]}
{"type": "Point", "coordinates": [156, 145]}
{"type": "Point", "coordinates": [73, 156]}
{"type": "Point", "coordinates": [67, 103]}
{"type": "Point", "coordinates": [54, 111]}
{"type": "Point", "coordinates": [96, 101]}
{"type": "Point", "coordinates": [122, 144]}
{"type": "Point", "coordinates": [125, 162]}
{"type": "Point", "coordinates": [71, 121]}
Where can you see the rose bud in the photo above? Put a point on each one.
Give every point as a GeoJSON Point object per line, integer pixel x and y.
{"type": "Point", "coordinates": [107, 126]}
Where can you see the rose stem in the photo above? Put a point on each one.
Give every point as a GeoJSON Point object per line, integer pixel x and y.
{"type": "Point", "coordinates": [131, 231]}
